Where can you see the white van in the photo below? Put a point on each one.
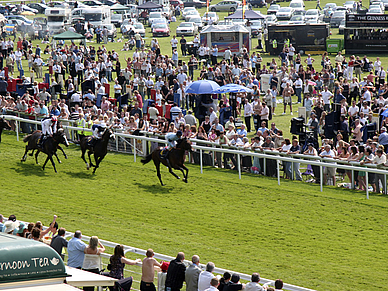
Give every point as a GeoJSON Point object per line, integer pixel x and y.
{"type": "Point", "coordinates": [97, 16]}
{"type": "Point", "coordinates": [58, 19]}
{"type": "Point", "coordinates": [297, 5]}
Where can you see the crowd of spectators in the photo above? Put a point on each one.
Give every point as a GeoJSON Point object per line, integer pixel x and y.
{"type": "Point", "coordinates": [150, 88]}
{"type": "Point", "coordinates": [170, 277]}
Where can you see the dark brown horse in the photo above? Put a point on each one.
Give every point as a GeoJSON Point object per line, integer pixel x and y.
{"type": "Point", "coordinates": [3, 125]}
{"type": "Point", "coordinates": [99, 150]}
{"type": "Point", "coordinates": [176, 159]}
{"type": "Point", "coordinates": [50, 146]}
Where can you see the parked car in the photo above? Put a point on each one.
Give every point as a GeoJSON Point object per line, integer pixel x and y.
{"type": "Point", "coordinates": [158, 21]}
{"type": "Point", "coordinates": [154, 15]}
{"type": "Point", "coordinates": [191, 13]}
{"type": "Point", "coordinates": [375, 10]}
{"type": "Point", "coordinates": [297, 19]}
{"type": "Point", "coordinates": [210, 15]}
{"type": "Point", "coordinates": [116, 19]}
{"type": "Point", "coordinates": [273, 9]}
{"type": "Point", "coordinates": [92, 3]}
{"type": "Point", "coordinates": [57, 4]}
{"type": "Point", "coordinates": [187, 28]}
{"type": "Point", "coordinates": [336, 18]}
{"type": "Point", "coordinates": [270, 19]}
{"type": "Point", "coordinates": [161, 29]}
{"type": "Point", "coordinates": [108, 2]}
{"type": "Point", "coordinates": [256, 25]}
{"type": "Point", "coordinates": [139, 28]}
{"type": "Point", "coordinates": [197, 21]}
{"type": "Point", "coordinates": [187, 9]}
{"type": "Point", "coordinates": [257, 3]}
{"type": "Point", "coordinates": [341, 27]}
{"type": "Point", "coordinates": [284, 13]}
{"type": "Point", "coordinates": [175, 3]}
{"type": "Point", "coordinates": [29, 9]}
{"type": "Point", "coordinates": [193, 3]}
{"type": "Point", "coordinates": [385, 2]}
{"type": "Point", "coordinates": [297, 5]}
{"type": "Point", "coordinates": [299, 12]}
{"type": "Point", "coordinates": [377, 4]}
{"type": "Point", "coordinates": [166, 11]}
{"type": "Point", "coordinates": [331, 6]}
{"type": "Point", "coordinates": [313, 13]}
{"type": "Point", "coordinates": [349, 5]}
{"type": "Point", "coordinates": [40, 7]}
{"type": "Point", "coordinates": [112, 31]}
{"type": "Point", "coordinates": [226, 5]}
{"type": "Point", "coordinates": [19, 17]}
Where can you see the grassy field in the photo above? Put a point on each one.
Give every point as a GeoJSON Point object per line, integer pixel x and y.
{"type": "Point", "coordinates": [327, 241]}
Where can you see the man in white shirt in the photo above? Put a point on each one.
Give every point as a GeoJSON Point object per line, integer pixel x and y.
{"type": "Point", "coordinates": [38, 65]}
{"type": "Point", "coordinates": [174, 43]}
{"type": "Point", "coordinates": [18, 59]}
{"type": "Point", "coordinates": [205, 277]}
{"type": "Point", "coordinates": [381, 74]}
{"type": "Point", "coordinates": [328, 172]}
{"type": "Point", "coordinates": [150, 85]}
{"type": "Point", "coordinates": [298, 89]}
{"type": "Point", "coordinates": [326, 97]}
{"type": "Point", "coordinates": [212, 115]}
{"type": "Point", "coordinates": [201, 51]}
{"type": "Point", "coordinates": [377, 65]}
{"type": "Point", "coordinates": [228, 55]}
{"type": "Point", "coordinates": [181, 77]}
{"type": "Point", "coordinates": [213, 285]}
{"type": "Point", "coordinates": [248, 111]}
{"type": "Point", "coordinates": [196, 44]}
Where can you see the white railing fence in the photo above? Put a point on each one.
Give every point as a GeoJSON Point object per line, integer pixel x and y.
{"type": "Point", "coordinates": [132, 143]}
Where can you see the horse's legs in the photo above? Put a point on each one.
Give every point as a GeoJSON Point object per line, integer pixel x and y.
{"type": "Point", "coordinates": [63, 152]}
{"type": "Point", "coordinates": [59, 161]}
{"type": "Point", "coordinates": [52, 162]}
{"type": "Point", "coordinates": [98, 161]}
{"type": "Point", "coordinates": [36, 157]}
{"type": "Point", "coordinates": [187, 173]}
{"type": "Point", "coordinates": [171, 171]}
{"type": "Point", "coordinates": [83, 157]}
{"type": "Point", "coordinates": [44, 165]}
{"type": "Point", "coordinates": [90, 160]}
{"type": "Point", "coordinates": [32, 153]}
{"type": "Point", "coordinates": [157, 165]}
{"type": "Point", "coordinates": [25, 154]}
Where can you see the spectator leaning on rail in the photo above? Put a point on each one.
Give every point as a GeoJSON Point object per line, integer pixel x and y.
{"type": "Point", "coordinates": [234, 284]}
{"type": "Point", "coordinates": [254, 284]}
{"type": "Point", "coordinates": [148, 271]}
{"type": "Point", "coordinates": [176, 273]}
{"type": "Point", "coordinates": [75, 249]}
{"type": "Point", "coordinates": [205, 277]}
{"type": "Point", "coordinates": [192, 274]}
{"type": "Point", "coordinates": [58, 242]}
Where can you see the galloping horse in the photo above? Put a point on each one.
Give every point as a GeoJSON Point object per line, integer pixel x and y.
{"type": "Point", "coordinates": [3, 125]}
{"type": "Point", "coordinates": [99, 150]}
{"type": "Point", "coordinates": [49, 148]}
{"type": "Point", "coordinates": [176, 159]}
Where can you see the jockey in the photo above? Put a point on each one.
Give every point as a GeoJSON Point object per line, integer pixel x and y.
{"type": "Point", "coordinates": [171, 141]}
{"type": "Point", "coordinates": [98, 131]}
{"type": "Point", "coordinates": [49, 127]}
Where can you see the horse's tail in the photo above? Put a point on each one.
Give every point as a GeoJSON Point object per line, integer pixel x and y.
{"type": "Point", "coordinates": [27, 137]}
{"type": "Point", "coordinates": [147, 159]}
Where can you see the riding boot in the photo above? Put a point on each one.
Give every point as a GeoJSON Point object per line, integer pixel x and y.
{"type": "Point", "coordinates": [165, 154]}
{"type": "Point", "coordinates": [41, 141]}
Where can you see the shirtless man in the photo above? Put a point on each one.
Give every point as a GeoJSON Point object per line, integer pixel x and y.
{"type": "Point", "coordinates": [287, 93]}
{"type": "Point", "coordinates": [148, 271]}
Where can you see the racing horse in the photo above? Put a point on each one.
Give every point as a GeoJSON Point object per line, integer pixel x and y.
{"type": "Point", "coordinates": [99, 150]}
{"type": "Point", "coordinates": [3, 125]}
{"type": "Point", "coordinates": [176, 159]}
{"type": "Point", "coordinates": [50, 146]}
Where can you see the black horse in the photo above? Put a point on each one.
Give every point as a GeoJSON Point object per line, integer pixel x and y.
{"type": "Point", "coordinates": [3, 125]}
{"type": "Point", "coordinates": [50, 146]}
{"type": "Point", "coordinates": [99, 150]}
{"type": "Point", "coordinates": [176, 159]}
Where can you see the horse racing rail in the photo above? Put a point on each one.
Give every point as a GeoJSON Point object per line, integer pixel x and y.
{"type": "Point", "coordinates": [131, 141]}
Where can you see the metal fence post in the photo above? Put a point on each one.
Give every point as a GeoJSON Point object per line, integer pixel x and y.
{"type": "Point", "coordinates": [265, 166]}
{"type": "Point", "coordinates": [321, 177]}
{"type": "Point", "coordinates": [200, 160]}
{"type": "Point", "coordinates": [278, 170]}
{"type": "Point", "coordinates": [239, 166]}
{"type": "Point", "coordinates": [352, 186]}
{"type": "Point", "coordinates": [17, 130]}
{"type": "Point", "coordinates": [134, 150]}
{"type": "Point", "coordinates": [366, 185]}
{"type": "Point", "coordinates": [117, 143]}
{"type": "Point", "coordinates": [385, 184]}
{"type": "Point", "coordinates": [292, 171]}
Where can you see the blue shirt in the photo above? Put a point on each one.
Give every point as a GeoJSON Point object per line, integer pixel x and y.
{"type": "Point", "coordinates": [76, 248]}
{"type": "Point", "coordinates": [383, 138]}
{"type": "Point", "coordinates": [242, 132]}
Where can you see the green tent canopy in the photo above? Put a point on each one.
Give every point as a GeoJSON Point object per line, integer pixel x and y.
{"type": "Point", "coordinates": [68, 35]}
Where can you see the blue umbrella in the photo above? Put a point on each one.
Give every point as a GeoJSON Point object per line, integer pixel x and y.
{"type": "Point", "coordinates": [385, 113]}
{"type": "Point", "coordinates": [202, 87]}
{"type": "Point", "coordinates": [232, 88]}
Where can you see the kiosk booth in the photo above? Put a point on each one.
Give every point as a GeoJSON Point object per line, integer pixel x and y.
{"type": "Point", "coordinates": [309, 38]}
{"type": "Point", "coordinates": [366, 34]}
{"type": "Point", "coordinates": [224, 36]}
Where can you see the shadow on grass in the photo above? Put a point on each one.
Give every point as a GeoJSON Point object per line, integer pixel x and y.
{"type": "Point", "coordinates": [82, 174]}
{"type": "Point", "coordinates": [155, 189]}
{"type": "Point", "coordinates": [31, 169]}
